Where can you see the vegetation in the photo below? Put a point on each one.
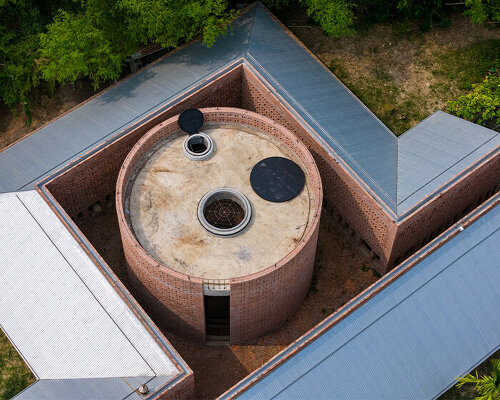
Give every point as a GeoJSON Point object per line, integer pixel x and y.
{"type": "Point", "coordinates": [14, 374]}
{"type": "Point", "coordinates": [486, 387]}
{"type": "Point", "coordinates": [437, 76]}
{"type": "Point", "coordinates": [482, 104]}
{"type": "Point", "coordinates": [44, 43]}
{"type": "Point", "coordinates": [337, 17]}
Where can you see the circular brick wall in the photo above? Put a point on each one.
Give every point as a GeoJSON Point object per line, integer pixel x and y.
{"type": "Point", "coordinates": [258, 302]}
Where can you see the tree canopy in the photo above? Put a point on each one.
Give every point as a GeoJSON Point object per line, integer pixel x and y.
{"type": "Point", "coordinates": [337, 17]}
{"type": "Point", "coordinates": [61, 41]}
{"type": "Point", "coordinates": [44, 43]}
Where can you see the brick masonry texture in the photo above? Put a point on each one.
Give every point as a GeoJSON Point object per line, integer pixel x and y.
{"type": "Point", "coordinates": [94, 178]}
{"type": "Point", "coordinates": [258, 302]}
{"type": "Point", "coordinates": [184, 389]}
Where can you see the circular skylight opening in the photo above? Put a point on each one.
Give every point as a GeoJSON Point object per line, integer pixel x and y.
{"type": "Point", "coordinates": [198, 146]}
{"type": "Point", "coordinates": [224, 212]}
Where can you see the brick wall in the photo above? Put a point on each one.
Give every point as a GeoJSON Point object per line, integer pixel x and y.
{"type": "Point", "coordinates": [264, 301]}
{"type": "Point", "coordinates": [444, 210]}
{"type": "Point", "coordinates": [175, 300]}
{"type": "Point", "coordinates": [184, 389]}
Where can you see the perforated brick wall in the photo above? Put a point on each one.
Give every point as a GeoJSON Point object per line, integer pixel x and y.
{"type": "Point", "coordinates": [443, 211]}
{"type": "Point", "coordinates": [258, 302]}
{"type": "Point", "coordinates": [264, 301]}
{"type": "Point", "coordinates": [94, 177]}
{"type": "Point", "coordinates": [341, 192]}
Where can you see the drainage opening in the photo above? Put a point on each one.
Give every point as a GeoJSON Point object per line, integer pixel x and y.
{"type": "Point", "coordinates": [224, 212]}
{"type": "Point", "coordinates": [198, 146]}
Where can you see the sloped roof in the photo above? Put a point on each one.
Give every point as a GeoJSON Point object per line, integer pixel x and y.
{"type": "Point", "coordinates": [409, 341]}
{"type": "Point", "coordinates": [61, 313]}
{"type": "Point", "coordinates": [400, 173]}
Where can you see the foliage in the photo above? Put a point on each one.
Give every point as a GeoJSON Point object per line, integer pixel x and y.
{"type": "Point", "coordinates": [487, 387]}
{"type": "Point", "coordinates": [73, 48]}
{"type": "Point", "coordinates": [14, 374]}
{"type": "Point", "coordinates": [61, 41]}
{"type": "Point", "coordinates": [482, 104]}
{"type": "Point", "coordinates": [483, 10]}
{"type": "Point", "coordinates": [338, 17]}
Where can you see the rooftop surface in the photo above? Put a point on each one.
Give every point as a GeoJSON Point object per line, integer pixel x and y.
{"type": "Point", "coordinates": [165, 195]}
{"type": "Point", "coordinates": [409, 341]}
{"type": "Point", "coordinates": [399, 173]}
{"type": "Point", "coordinates": [61, 313]}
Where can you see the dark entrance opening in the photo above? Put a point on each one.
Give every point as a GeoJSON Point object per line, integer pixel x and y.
{"type": "Point", "coordinates": [217, 318]}
{"type": "Point", "coordinates": [197, 144]}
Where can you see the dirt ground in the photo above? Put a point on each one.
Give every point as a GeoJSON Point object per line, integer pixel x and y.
{"type": "Point", "coordinates": [340, 274]}
{"type": "Point", "coordinates": [401, 76]}
{"type": "Point", "coordinates": [411, 71]}
{"type": "Point", "coordinates": [13, 126]}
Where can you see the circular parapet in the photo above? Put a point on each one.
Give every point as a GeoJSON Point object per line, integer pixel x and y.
{"type": "Point", "coordinates": [199, 147]}
{"type": "Point", "coordinates": [196, 234]}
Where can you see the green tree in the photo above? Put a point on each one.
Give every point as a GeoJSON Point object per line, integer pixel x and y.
{"type": "Point", "coordinates": [335, 16]}
{"type": "Point", "coordinates": [483, 10]}
{"type": "Point", "coordinates": [95, 41]}
{"type": "Point", "coordinates": [61, 41]}
{"type": "Point", "coordinates": [482, 104]}
{"type": "Point", "coordinates": [486, 387]}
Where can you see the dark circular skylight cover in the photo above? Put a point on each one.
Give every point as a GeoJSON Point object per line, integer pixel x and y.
{"type": "Point", "coordinates": [277, 179]}
{"type": "Point", "coordinates": [191, 120]}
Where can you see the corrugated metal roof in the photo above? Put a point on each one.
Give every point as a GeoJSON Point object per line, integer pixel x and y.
{"type": "Point", "coordinates": [58, 309]}
{"type": "Point", "coordinates": [93, 122]}
{"type": "Point", "coordinates": [90, 389]}
{"type": "Point", "coordinates": [437, 150]}
{"type": "Point", "coordinates": [413, 338]}
{"type": "Point", "coordinates": [400, 172]}
{"type": "Point", "coordinates": [339, 118]}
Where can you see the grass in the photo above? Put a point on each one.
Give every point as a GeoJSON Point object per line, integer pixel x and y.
{"type": "Point", "coordinates": [14, 374]}
{"type": "Point", "coordinates": [464, 67]}
{"type": "Point", "coordinates": [451, 74]}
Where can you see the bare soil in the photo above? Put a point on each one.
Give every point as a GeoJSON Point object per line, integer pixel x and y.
{"type": "Point", "coordinates": [341, 272]}
{"type": "Point", "coordinates": [13, 122]}
{"type": "Point", "coordinates": [401, 76]}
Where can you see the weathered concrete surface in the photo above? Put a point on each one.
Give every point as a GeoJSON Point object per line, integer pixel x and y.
{"type": "Point", "coordinates": [165, 195]}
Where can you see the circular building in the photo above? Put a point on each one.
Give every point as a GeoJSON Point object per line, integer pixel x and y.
{"type": "Point", "coordinates": [219, 225]}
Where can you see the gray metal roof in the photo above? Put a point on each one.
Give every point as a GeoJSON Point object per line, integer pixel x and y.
{"type": "Point", "coordinates": [115, 109]}
{"type": "Point", "coordinates": [435, 151]}
{"type": "Point", "coordinates": [438, 320]}
{"type": "Point", "coordinates": [90, 389]}
{"type": "Point", "coordinates": [400, 173]}
{"type": "Point", "coordinates": [61, 313]}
